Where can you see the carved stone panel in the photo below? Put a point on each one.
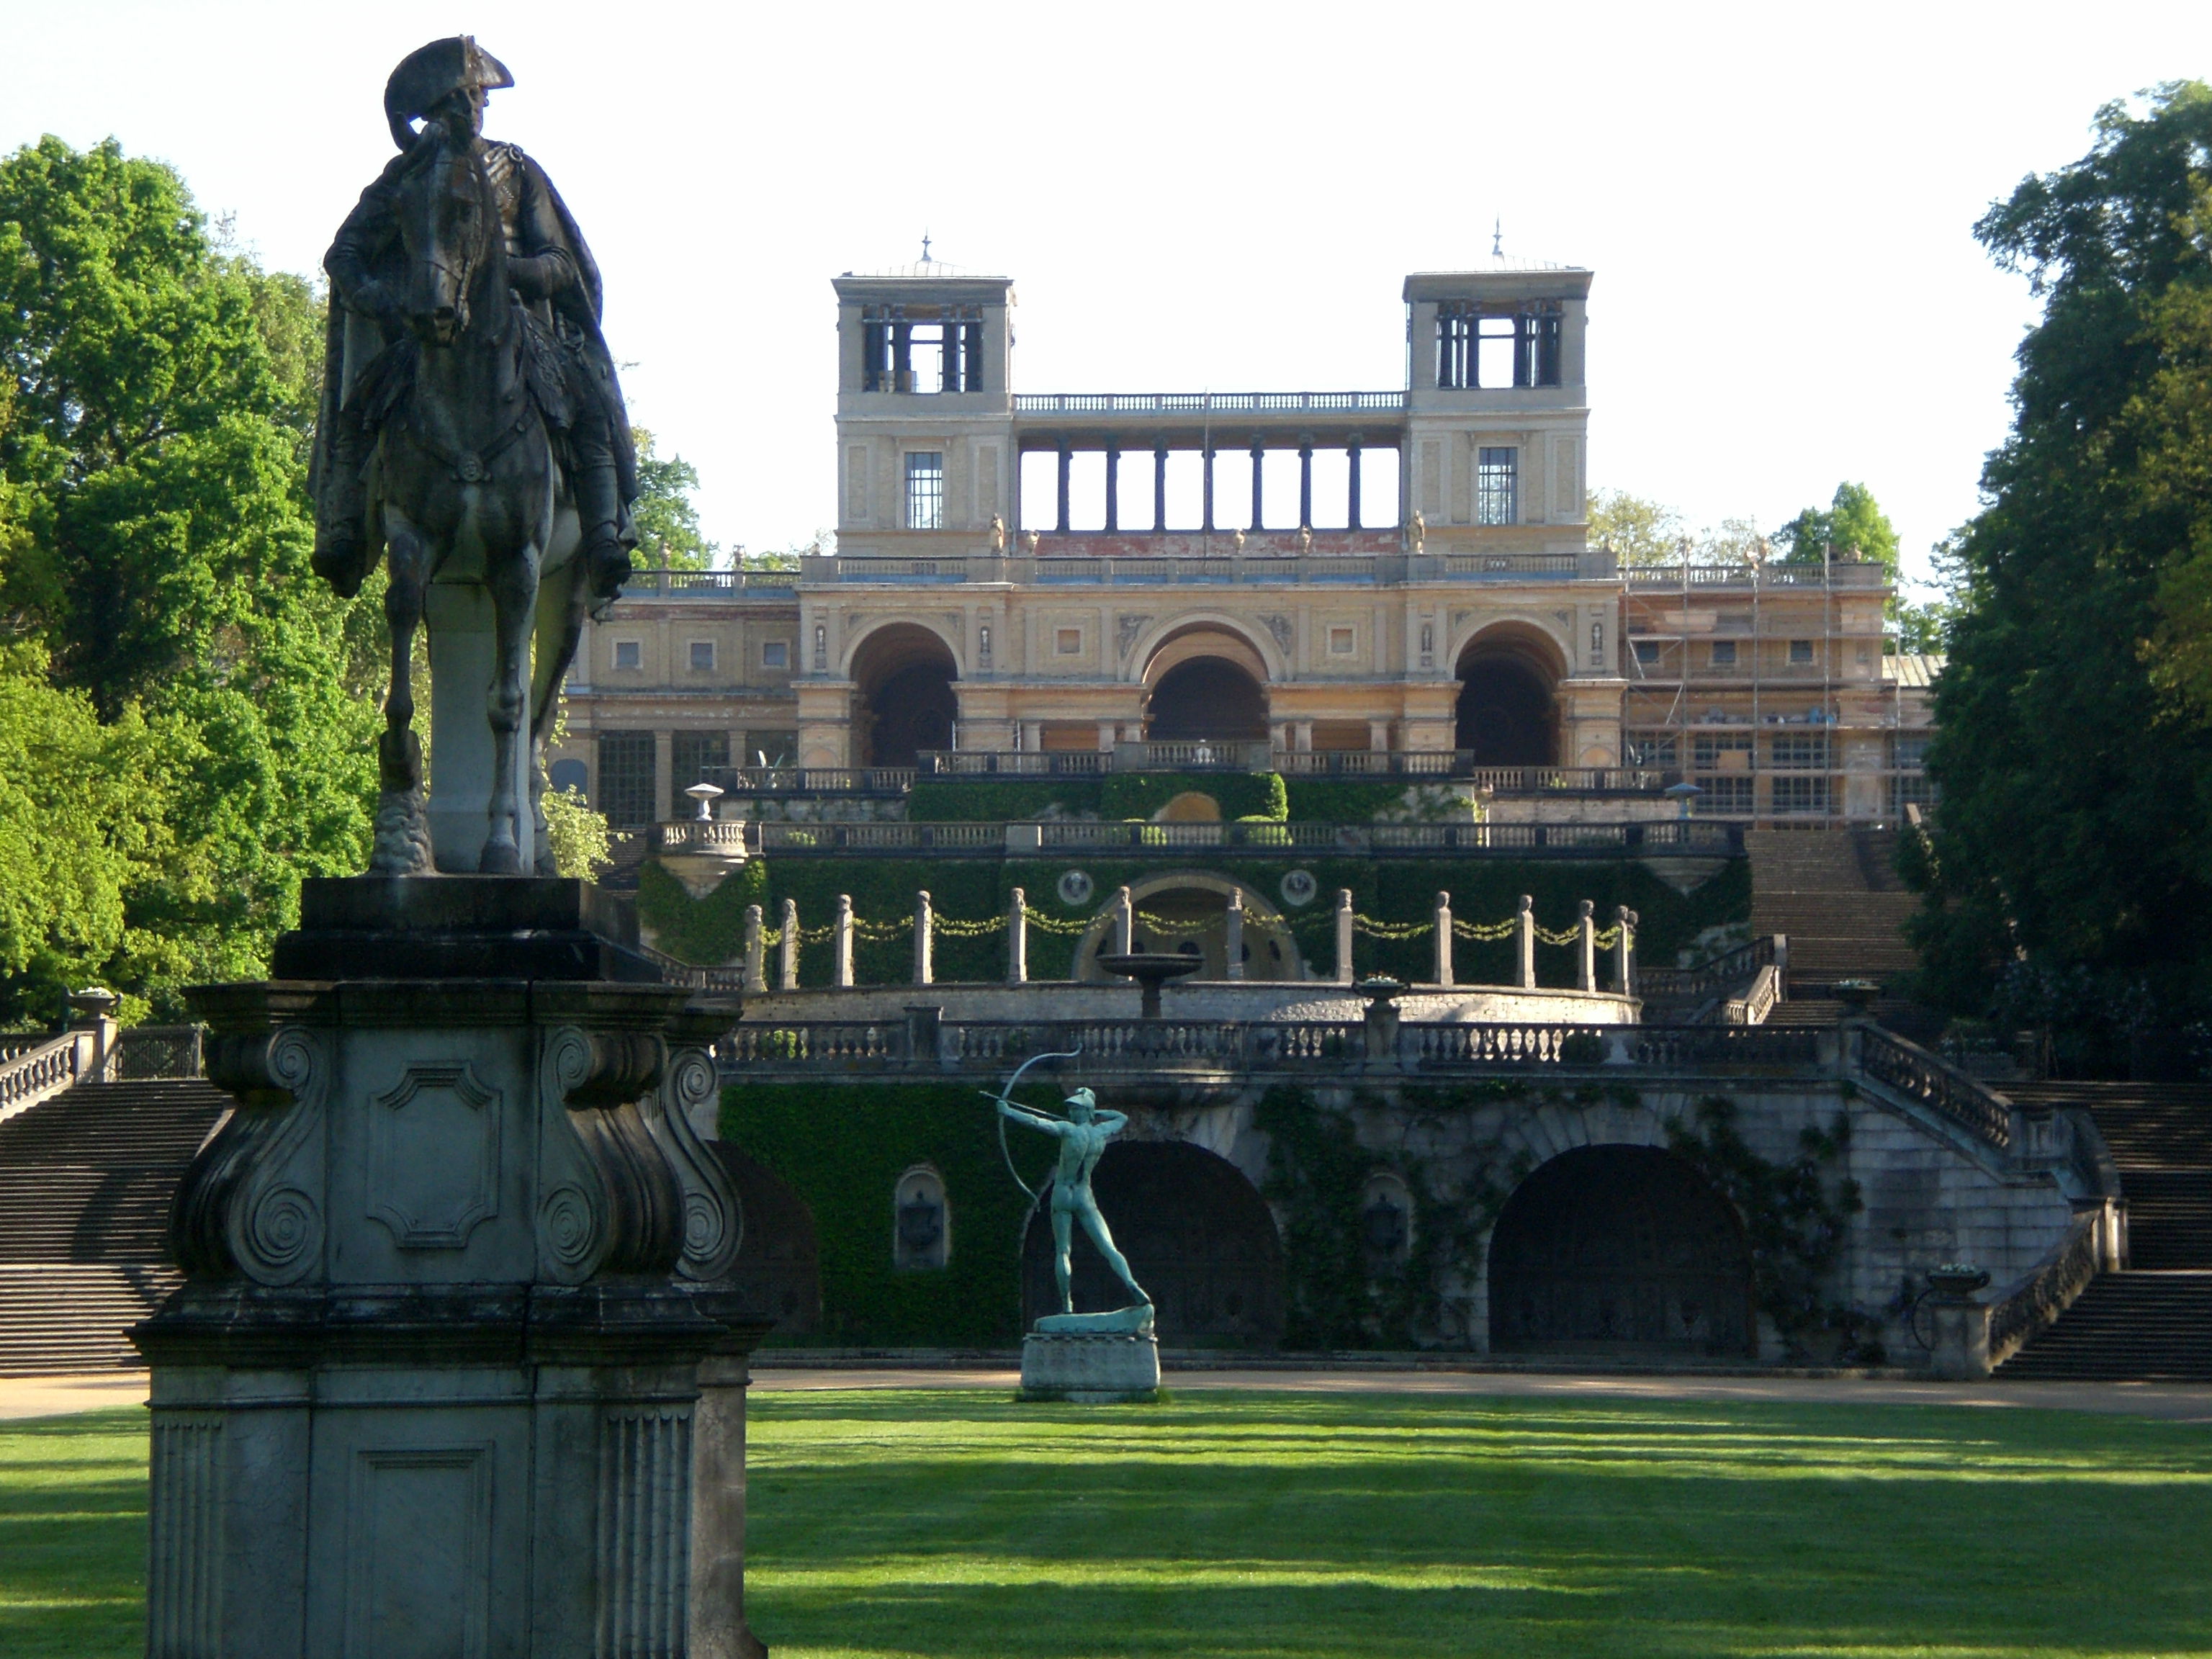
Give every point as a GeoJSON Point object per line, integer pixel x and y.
{"type": "Point", "coordinates": [418, 1525]}
{"type": "Point", "coordinates": [432, 1171]}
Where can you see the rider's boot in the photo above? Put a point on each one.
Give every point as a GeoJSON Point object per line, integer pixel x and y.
{"type": "Point", "coordinates": [599, 508]}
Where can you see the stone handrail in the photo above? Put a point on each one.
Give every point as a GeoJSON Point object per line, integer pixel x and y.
{"type": "Point", "coordinates": [1695, 837]}
{"type": "Point", "coordinates": [1758, 1000]}
{"type": "Point", "coordinates": [39, 1073]}
{"type": "Point", "coordinates": [2048, 1293]}
{"type": "Point", "coordinates": [1729, 969]}
{"type": "Point", "coordinates": [725, 835]}
{"type": "Point", "coordinates": [1909, 1070]}
{"type": "Point", "coordinates": [926, 1041]}
{"type": "Point", "coordinates": [159, 1051]}
{"type": "Point", "coordinates": [677, 971]}
{"type": "Point", "coordinates": [1206, 403]}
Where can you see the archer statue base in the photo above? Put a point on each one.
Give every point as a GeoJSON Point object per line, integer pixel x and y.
{"type": "Point", "coordinates": [1093, 1359]}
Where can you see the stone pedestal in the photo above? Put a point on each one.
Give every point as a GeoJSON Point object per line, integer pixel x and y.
{"type": "Point", "coordinates": [455, 1369]}
{"type": "Point", "coordinates": [1091, 1367]}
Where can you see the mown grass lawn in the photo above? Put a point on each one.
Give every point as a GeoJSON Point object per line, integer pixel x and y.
{"type": "Point", "coordinates": [1284, 1525]}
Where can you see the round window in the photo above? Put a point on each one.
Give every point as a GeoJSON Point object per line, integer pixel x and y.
{"type": "Point", "coordinates": [1299, 887]}
{"type": "Point", "coordinates": [1075, 887]}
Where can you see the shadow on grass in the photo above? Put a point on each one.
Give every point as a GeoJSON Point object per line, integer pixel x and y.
{"type": "Point", "coordinates": [73, 1535]}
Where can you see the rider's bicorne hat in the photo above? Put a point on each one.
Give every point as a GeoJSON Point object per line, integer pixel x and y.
{"type": "Point", "coordinates": [430, 75]}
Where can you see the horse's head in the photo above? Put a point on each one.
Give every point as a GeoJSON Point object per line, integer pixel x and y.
{"type": "Point", "coordinates": [450, 226]}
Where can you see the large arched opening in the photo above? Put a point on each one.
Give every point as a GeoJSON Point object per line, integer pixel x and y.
{"type": "Point", "coordinates": [1198, 1237]}
{"type": "Point", "coordinates": [1507, 712]}
{"type": "Point", "coordinates": [1206, 684]}
{"type": "Point", "coordinates": [1620, 1249]}
{"type": "Point", "coordinates": [1186, 913]}
{"type": "Point", "coordinates": [904, 700]}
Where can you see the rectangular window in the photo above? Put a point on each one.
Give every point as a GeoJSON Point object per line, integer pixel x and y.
{"type": "Point", "coordinates": [1801, 651]}
{"type": "Point", "coordinates": [1723, 654]}
{"type": "Point", "coordinates": [1648, 652]}
{"type": "Point", "coordinates": [630, 654]}
{"type": "Point", "coordinates": [771, 748]}
{"type": "Point", "coordinates": [1068, 641]}
{"type": "Point", "coordinates": [1801, 795]}
{"type": "Point", "coordinates": [1721, 753]}
{"type": "Point", "coordinates": [1913, 791]}
{"type": "Point", "coordinates": [775, 653]}
{"type": "Point", "coordinates": [1497, 486]}
{"type": "Point", "coordinates": [1340, 642]}
{"type": "Point", "coordinates": [925, 491]}
{"type": "Point", "coordinates": [1806, 753]}
{"type": "Point", "coordinates": [699, 757]}
{"type": "Point", "coordinates": [1726, 797]}
{"type": "Point", "coordinates": [702, 656]}
{"type": "Point", "coordinates": [626, 780]}
{"type": "Point", "coordinates": [1909, 754]}
{"type": "Point", "coordinates": [1653, 749]}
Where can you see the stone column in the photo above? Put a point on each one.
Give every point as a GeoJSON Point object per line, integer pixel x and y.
{"type": "Point", "coordinates": [1524, 943]}
{"type": "Point", "coordinates": [1351, 463]}
{"type": "Point", "coordinates": [1305, 484]}
{"type": "Point", "coordinates": [1344, 936]}
{"type": "Point", "coordinates": [1232, 936]}
{"type": "Point", "coordinates": [1125, 922]}
{"type": "Point", "coordinates": [1113, 485]}
{"type": "Point", "coordinates": [925, 966]}
{"type": "Point", "coordinates": [1065, 457]}
{"type": "Point", "coordinates": [1017, 938]}
{"type": "Point", "coordinates": [1159, 489]}
{"type": "Point", "coordinates": [1586, 949]}
{"type": "Point", "coordinates": [756, 978]}
{"type": "Point", "coordinates": [1207, 489]}
{"type": "Point", "coordinates": [664, 794]}
{"type": "Point", "coordinates": [1623, 951]}
{"type": "Point", "coordinates": [1443, 940]}
{"type": "Point", "coordinates": [840, 945]}
{"type": "Point", "coordinates": [787, 948]}
{"type": "Point", "coordinates": [1259, 464]}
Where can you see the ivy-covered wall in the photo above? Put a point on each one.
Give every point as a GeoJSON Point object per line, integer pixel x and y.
{"type": "Point", "coordinates": [711, 930]}
{"type": "Point", "coordinates": [843, 1146]}
{"type": "Point", "coordinates": [1117, 795]}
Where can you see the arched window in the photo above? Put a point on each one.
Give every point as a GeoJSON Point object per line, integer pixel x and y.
{"type": "Point", "coordinates": [1386, 1221]}
{"type": "Point", "coordinates": [921, 1222]}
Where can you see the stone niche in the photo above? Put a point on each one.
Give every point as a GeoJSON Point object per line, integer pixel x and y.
{"type": "Point", "coordinates": [458, 1366]}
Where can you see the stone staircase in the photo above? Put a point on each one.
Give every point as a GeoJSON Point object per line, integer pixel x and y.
{"type": "Point", "coordinates": [2152, 1322]}
{"type": "Point", "coordinates": [85, 1183]}
{"type": "Point", "coordinates": [1837, 896]}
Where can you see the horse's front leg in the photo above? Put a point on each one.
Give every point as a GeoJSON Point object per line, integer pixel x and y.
{"type": "Point", "coordinates": [513, 583]}
{"type": "Point", "coordinates": [401, 844]}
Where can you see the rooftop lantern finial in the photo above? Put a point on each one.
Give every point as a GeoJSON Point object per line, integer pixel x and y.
{"type": "Point", "coordinates": [925, 248]}
{"type": "Point", "coordinates": [1497, 238]}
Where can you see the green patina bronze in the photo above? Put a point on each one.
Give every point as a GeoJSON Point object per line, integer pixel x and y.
{"type": "Point", "coordinates": [1083, 1134]}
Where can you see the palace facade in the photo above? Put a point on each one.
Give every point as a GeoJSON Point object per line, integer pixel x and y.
{"type": "Point", "coordinates": [1357, 583]}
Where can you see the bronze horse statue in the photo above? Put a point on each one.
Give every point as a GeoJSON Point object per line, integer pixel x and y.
{"type": "Point", "coordinates": [468, 483]}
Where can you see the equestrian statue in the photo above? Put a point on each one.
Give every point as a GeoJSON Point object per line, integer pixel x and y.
{"type": "Point", "coordinates": [472, 434]}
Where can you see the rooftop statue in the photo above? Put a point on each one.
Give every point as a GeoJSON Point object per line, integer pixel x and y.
{"type": "Point", "coordinates": [472, 427]}
{"type": "Point", "coordinates": [1082, 1134]}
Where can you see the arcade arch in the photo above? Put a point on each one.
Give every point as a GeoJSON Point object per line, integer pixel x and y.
{"type": "Point", "coordinates": [904, 700]}
{"type": "Point", "coordinates": [1508, 707]}
{"type": "Point", "coordinates": [1206, 684]}
{"type": "Point", "coordinates": [1618, 1248]}
{"type": "Point", "coordinates": [1188, 913]}
{"type": "Point", "coordinates": [1198, 1237]}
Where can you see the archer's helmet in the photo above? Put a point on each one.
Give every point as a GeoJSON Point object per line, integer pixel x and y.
{"type": "Point", "coordinates": [430, 75]}
{"type": "Point", "coordinates": [1084, 1097]}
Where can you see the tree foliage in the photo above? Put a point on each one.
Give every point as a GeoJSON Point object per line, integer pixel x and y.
{"type": "Point", "coordinates": [668, 531]}
{"type": "Point", "coordinates": [1852, 523]}
{"type": "Point", "coordinates": [157, 391]}
{"type": "Point", "coordinates": [2074, 842]}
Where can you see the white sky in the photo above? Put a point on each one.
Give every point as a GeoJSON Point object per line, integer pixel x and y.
{"type": "Point", "coordinates": [1776, 198]}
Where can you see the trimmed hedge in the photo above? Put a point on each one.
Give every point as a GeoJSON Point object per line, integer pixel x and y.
{"type": "Point", "coordinates": [993, 801]}
{"type": "Point", "coordinates": [843, 1146]}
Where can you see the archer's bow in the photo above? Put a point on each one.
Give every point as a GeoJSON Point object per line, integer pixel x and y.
{"type": "Point", "coordinates": [1005, 1151]}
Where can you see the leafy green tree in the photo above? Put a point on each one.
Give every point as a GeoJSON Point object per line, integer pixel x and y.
{"type": "Point", "coordinates": [667, 523]}
{"type": "Point", "coordinates": [2073, 845]}
{"type": "Point", "coordinates": [154, 541]}
{"type": "Point", "coordinates": [1852, 522]}
{"type": "Point", "coordinates": [1640, 531]}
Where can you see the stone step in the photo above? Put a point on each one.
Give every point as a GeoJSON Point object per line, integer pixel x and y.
{"type": "Point", "coordinates": [2127, 1327]}
{"type": "Point", "coordinates": [60, 1319]}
